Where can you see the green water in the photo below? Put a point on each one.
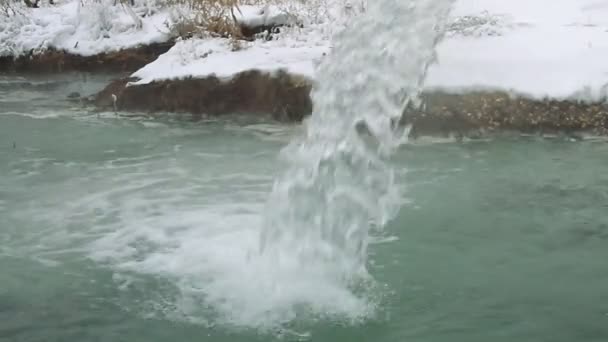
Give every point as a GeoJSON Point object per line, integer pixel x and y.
{"type": "Point", "coordinates": [119, 229]}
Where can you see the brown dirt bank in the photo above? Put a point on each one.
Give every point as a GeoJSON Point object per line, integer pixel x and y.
{"type": "Point", "coordinates": [284, 96]}
{"type": "Point", "coordinates": [61, 61]}
{"type": "Point", "coordinates": [480, 112]}
{"type": "Point", "coordinates": [287, 98]}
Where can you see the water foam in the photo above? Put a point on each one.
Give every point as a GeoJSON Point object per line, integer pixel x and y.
{"type": "Point", "coordinates": [309, 259]}
{"type": "Point", "coordinates": [315, 231]}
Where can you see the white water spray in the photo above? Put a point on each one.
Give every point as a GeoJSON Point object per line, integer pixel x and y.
{"type": "Point", "coordinates": [315, 226]}
{"type": "Point", "coordinates": [339, 184]}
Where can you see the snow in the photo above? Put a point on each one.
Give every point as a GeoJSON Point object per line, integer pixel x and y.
{"type": "Point", "coordinates": [543, 49]}
{"type": "Point", "coordinates": [96, 27]}
{"type": "Point", "coordinates": [256, 16]}
{"type": "Point", "coordinates": [537, 49]}
{"type": "Point", "coordinates": [297, 50]}
{"type": "Point", "coordinates": [558, 62]}
{"type": "Point", "coordinates": [532, 48]}
{"type": "Point", "coordinates": [204, 57]}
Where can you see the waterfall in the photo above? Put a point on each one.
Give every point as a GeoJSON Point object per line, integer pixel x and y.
{"type": "Point", "coordinates": [339, 183]}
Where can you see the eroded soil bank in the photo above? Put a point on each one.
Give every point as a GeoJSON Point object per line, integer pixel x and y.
{"type": "Point", "coordinates": [51, 61]}
{"type": "Point", "coordinates": [284, 96]}
{"type": "Point", "coordinates": [287, 98]}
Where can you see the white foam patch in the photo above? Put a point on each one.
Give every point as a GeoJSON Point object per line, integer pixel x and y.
{"type": "Point", "coordinates": [211, 254]}
{"type": "Point", "coordinates": [45, 115]}
{"type": "Point", "coordinates": [150, 216]}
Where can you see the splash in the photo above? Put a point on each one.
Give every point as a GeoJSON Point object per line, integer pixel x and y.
{"type": "Point", "coordinates": [310, 262]}
{"type": "Point", "coordinates": [339, 183]}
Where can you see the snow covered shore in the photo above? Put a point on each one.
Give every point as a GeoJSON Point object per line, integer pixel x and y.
{"type": "Point", "coordinates": [532, 48]}
{"type": "Point", "coordinates": [537, 49]}
{"type": "Point", "coordinates": [85, 30]}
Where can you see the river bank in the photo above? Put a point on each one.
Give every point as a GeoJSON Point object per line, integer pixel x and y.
{"type": "Point", "coordinates": [287, 98]}
{"type": "Point", "coordinates": [500, 66]}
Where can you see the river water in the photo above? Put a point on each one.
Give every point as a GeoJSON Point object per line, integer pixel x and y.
{"type": "Point", "coordinates": [137, 228]}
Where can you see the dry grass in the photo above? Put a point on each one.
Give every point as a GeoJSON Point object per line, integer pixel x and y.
{"type": "Point", "coordinates": [215, 18]}
{"type": "Point", "coordinates": [207, 17]}
{"type": "Point", "coordinates": [218, 18]}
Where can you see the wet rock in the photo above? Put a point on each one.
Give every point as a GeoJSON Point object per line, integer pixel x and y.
{"type": "Point", "coordinates": [74, 95]}
{"type": "Point", "coordinates": [61, 61]}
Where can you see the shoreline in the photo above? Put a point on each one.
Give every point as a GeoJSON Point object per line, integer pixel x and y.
{"type": "Point", "coordinates": [286, 97]}
{"type": "Point", "coordinates": [55, 61]}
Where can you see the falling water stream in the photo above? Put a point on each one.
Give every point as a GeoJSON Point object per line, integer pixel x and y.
{"type": "Point", "coordinates": [339, 182]}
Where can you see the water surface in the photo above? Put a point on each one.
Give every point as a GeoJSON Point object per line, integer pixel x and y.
{"type": "Point", "coordinates": [139, 229]}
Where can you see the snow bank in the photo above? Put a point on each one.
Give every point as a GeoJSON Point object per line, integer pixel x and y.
{"type": "Point", "coordinates": [558, 62]}
{"type": "Point", "coordinates": [551, 48]}
{"type": "Point", "coordinates": [256, 16]}
{"type": "Point", "coordinates": [541, 48]}
{"type": "Point", "coordinates": [296, 50]}
{"type": "Point", "coordinates": [535, 48]}
{"type": "Point", "coordinates": [85, 30]}
{"type": "Point", "coordinates": [204, 57]}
